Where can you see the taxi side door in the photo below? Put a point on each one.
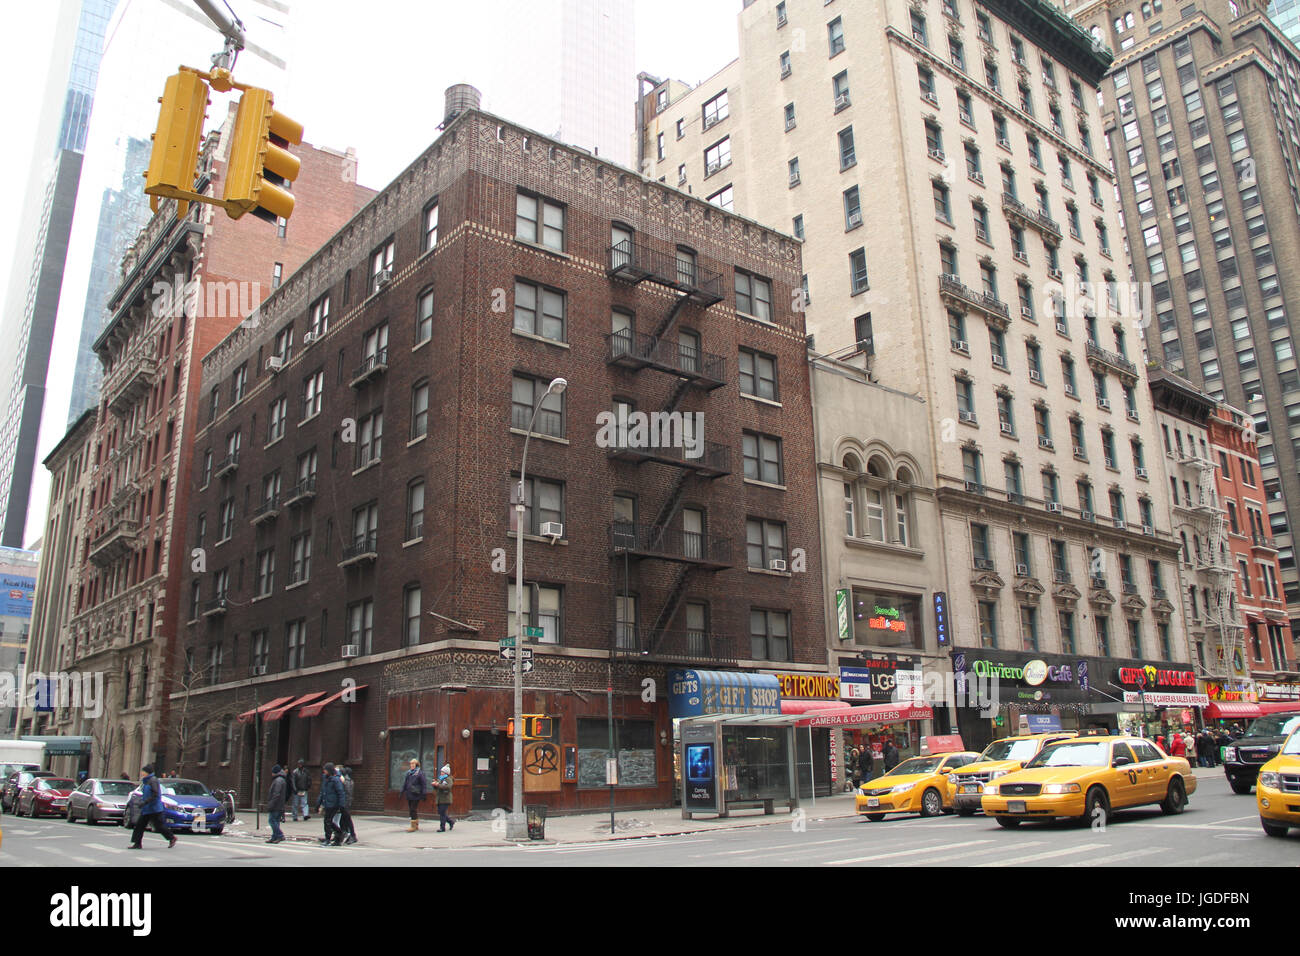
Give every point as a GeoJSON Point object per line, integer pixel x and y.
{"type": "Point", "coordinates": [1127, 783]}
{"type": "Point", "coordinates": [1154, 769]}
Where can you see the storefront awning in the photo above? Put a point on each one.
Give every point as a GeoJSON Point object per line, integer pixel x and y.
{"type": "Point", "coordinates": [693, 693]}
{"type": "Point", "coordinates": [861, 716]}
{"type": "Point", "coordinates": [312, 710]}
{"type": "Point", "coordinates": [289, 703]}
{"type": "Point", "coordinates": [248, 715]}
{"type": "Point", "coordinates": [59, 746]}
{"type": "Point", "coordinates": [808, 706]}
{"type": "Point", "coordinates": [1231, 710]}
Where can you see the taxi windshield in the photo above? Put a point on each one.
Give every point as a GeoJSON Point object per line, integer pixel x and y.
{"type": "Point", "coordinates": [917, 765]}
{"type": "Point", "coordinates": [1074, 754]}
{"type": "Point", "coordinates": [1292, 748]}
{"type": "Point", "coordinates": [1020, 750]}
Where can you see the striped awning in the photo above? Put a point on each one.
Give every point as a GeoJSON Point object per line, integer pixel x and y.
{"type": "Point", "coordinates": [289, 703]}
{"type": "Point", "coordinates": [312, 710]}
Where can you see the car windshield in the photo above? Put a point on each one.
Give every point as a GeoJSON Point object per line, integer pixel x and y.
{"type": "Point", "coordinates": [917, 765]}
{"type": "Point", "coordinates": [1074, 754]}
{"type": "Point", "coordinates": [1020, 750]}
{"type": "Point", "coordinates": [55, 783]}
{"type": "Point", "coordinates": [1292, 748]}
{"type": "Point", "coordinates": [185, 788]}
{"type": "Point", "coordinates": [115, 788]}
{"type": "Point", "coordinates": [1273, 725]}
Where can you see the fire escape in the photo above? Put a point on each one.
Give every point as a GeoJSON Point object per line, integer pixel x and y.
{"type": "Point", "coordinates": [1221, 616]}
{"type": "Point", "coordinates": [667, 538]}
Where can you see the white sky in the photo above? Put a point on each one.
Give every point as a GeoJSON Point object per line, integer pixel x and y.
{"type": "Point", "coordinates": [367, 75]}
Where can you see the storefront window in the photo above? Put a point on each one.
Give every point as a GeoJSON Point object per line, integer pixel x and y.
{"type": "Point", "coordinates": [405, 745]}
{"type": "Point", "coordinates": [634, 742]}
{"type": "Point", "coordinates": [886, 619]}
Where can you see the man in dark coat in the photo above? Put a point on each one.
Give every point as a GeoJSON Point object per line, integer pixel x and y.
{"type": "Point", "coordinates": [301, 782]}
{"type": "Point", "coordinates": [414, 788]}
{"type": "Point", "coordinates": [866, 763]}
{"type": "Point", "coordinates": [275, 801]}
{"type": "Point", "coordinates": [151, 811]}
{"type": "Point", "coordinates": [348, 828]}
{"type": "Point", "coordinates": [890, 754]}
{"type": "Point", "coordinates": [330, 802]}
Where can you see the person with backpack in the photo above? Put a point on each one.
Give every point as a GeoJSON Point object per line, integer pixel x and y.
{"type": "Point", "coordinates": [330, 803]}
{"type": "Point", "coordinates": [301, 783]}
{"type": "Point", "coordinates": [346, 824]}
{"type": "Point", "coordinates": [151, 811]}
{"type": "Point", "coordinates": [444, 786]}
{"type": "Point", "coordinates": [414, 788]}
{"type": "Point", "coordinates": [275, 801]}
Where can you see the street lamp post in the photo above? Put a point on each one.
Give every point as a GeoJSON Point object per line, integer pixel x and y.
{"type": "Point", "coordinates": [517, 828]}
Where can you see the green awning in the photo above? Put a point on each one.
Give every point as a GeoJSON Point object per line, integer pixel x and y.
{"type": "Point", "coordinates": [64, 746]}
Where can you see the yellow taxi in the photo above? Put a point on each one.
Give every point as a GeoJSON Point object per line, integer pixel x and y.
{"type": "Point", "coordinates": [1277, 791]}
{"type": "Point", "coordinates": [1087, 778]}
{"type": "Point", "coordinates": [917, 785]}
{"type": "Point", "coordinates": [998, 759]}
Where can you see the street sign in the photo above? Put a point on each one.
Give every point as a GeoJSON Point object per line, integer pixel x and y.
{"type": "Point", "coordinates": [508, 653]}
{"type": "Point", "coordinates": [528, 665]}
{"type": "Point", "coordinates": [536, 632]}
{"type": "Point", "coordinates": [506, 642]}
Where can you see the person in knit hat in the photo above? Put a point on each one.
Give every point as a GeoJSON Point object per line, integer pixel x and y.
{"type": "Point", "coordinates": [444, 785]}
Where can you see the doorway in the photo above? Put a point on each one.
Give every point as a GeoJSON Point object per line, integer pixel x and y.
{"type": "Point", "coordinates": [487, 769]}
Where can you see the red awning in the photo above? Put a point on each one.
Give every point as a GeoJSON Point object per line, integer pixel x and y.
{"type": "Point", "coordinates": [872, 714]}
{"type": "Point", "coordinates": [311, 710]}
{"type": "Point", "coordinates": [805, 706]}
{"type": "Point", "coordinates": [248, 715]}
{"type": "Point", "coordinates": [289, 703]}
{"type": "Point", "coordinates": [1231, 710]}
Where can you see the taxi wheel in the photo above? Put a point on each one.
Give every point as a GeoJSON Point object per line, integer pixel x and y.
{"type": "Point", "coordinates": [931, 803]}
{"type": "Point", "coordinates": [1009, 823]}
{"type": "Point", "coordinates": [1272, 829]}
{"type": "Point", "coordinates": [961, 812]}
{"type": "Point", "coordinates": [875, 817]}
{"type": "Point", "coordinates": [1176, 800]}
{"type": "Point", "coordinates": [1096, 808]}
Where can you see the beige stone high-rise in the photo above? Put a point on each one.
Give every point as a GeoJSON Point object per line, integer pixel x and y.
{"type": "Point", "coordinates": [944, 162]}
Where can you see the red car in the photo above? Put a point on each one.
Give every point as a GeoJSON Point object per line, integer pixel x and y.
{"type": "Point", "coordinates": [46, 796]}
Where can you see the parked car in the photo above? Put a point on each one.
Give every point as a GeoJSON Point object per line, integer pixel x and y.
{"type": "Point", "coordinates": [1258, 745]}
{"type": "Point", "coordinates": [918, 785]}
{"type": "Point", "coordinates": [187, 805]}
{"type": "Point", "coordinates": [1088, 777]}
{"type": "Point", "coordinates": [15, 783]}
{"type": "Point", "coordinates": [1277, 791]}
{"type": "Point", "coordinates": [7, 768]}
{"type": "Point", "coordinates": [99, 800]}
{"type": "Point", "coordinates": [46, 796]}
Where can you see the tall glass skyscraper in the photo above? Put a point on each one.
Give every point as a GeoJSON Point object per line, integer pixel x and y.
{"type": "Point", "coordinates": [27, 327]}
{"type": "Point", "coordinates": [1286, 14]}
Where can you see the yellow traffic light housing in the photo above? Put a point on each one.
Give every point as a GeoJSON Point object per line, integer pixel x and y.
{"type": "Point", "coordinates": [174, 161]}
{"type": "Point", "coordinates": [537, 728]}
{"type": "Point", "coordinates": [259, 166]}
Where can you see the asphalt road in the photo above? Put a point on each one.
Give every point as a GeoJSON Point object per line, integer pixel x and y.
{"type": "Point", "coordinates": [1218, 829]}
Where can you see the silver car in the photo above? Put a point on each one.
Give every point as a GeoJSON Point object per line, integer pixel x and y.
{"type": "Point", "coordinates": [99, 800]}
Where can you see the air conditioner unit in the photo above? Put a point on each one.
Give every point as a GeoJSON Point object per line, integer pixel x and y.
{"type": "Point", "coordinates": [855, 219]}
{"type": "Point", "coordinates": [1086, 515]}
{"type": "Point", "coordinates": [932, 99]}
{"type": "Point", "coordinates": [960, 345]}
{"type": "Point", "coordinates": [1054, 507]}
{"type": "Point", "coordinates": [1118, 523]}
{"type": "Point", "coordinates": [1104, 404]}
{"type": "Point", "coordinates": [275, 363]}
{"type": "Point", "coordinates": [1110, 462]}
{"type": "Point", "coordinates": [1004, 143]}
{"type": "Point", "coordinates": [776, 564]}
{"type": "Point", "coordinates": [794, 179]}
{"type": "Point", "coordinates": [311, 337]}
{"type": "Point", "coordinates": [1022, 570]}
{"type": "Point", "coordinates": [1063, 329]}
{"type": "Point", "coordinates": [384, 277]}
{"type": "Point", "coordinates": [351, 650]}
{"type": "Point", "coordinates": [1045, 442]}
{"type": "Point", "coordinates": [711, 121]}
{"type": "Point", "coordinates": [552, 529]}
{"type": "Point", "coordinates": [1069, 389]}
{"type": "Point", "coordinates": [937, 154]}
{"type": "Point", "coordinates": [681, 179]}
{"type": "Point", "coordinates": [966, 416]}
{"type": "Point", "coordinates": [1007, 428]}
{"type": "Point", "coordinates": [789, 124]}
{"type": "Point", "coordinates": [1035, 375]}
{"type": "Point", "coordinates": [1055, 274]}
{"type": "Point", "coordinates": [711, 168]}
{"type": "Point", "coordinates": [1023, 259]}
{"type": "Point", "coordinates": [259, 670]}
{"type": "Point", "coordinates": [1142, 473]}
{"type": "Point", "coordinates": [999, 361]}
{"type": "Point", "coordinates": [1148, 530]}
{"type": "Point", "coordinates": [1079, 452]}
{"type": "Point", "coordinates": [841, 101]}
{"type": "Point", "coordinates": [977, 178]}
{"type": "Point", "coordinates": [981, 234]}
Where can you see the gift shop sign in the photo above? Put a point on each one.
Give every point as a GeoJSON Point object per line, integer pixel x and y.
{"type": "Point", "coordinates": [1152, 678]}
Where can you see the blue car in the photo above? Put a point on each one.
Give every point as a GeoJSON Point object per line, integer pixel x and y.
{"type": "Point", "coordinates": [187, 805]}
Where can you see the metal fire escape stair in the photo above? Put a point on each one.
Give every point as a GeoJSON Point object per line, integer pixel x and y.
{"type": "Point", "coordinates": [1221, 618]}
{"type": "Point", "coordinates": [669, 609]}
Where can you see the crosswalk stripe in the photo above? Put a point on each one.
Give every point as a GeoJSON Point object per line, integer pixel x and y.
{"type": "Point", "coordinates": [898, 853]}
{"type": "Point", "coordinates": [958, 857]}
{"type": "Point", "coordinates": [784, 846]}
{"type": "Point", "coordinates": [1118, 857]}
{"type": "Point", "coordinates": [1047, 855]}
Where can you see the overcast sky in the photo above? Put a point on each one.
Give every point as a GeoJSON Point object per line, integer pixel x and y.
{"type": "Point", "coordinates": [368, 75]}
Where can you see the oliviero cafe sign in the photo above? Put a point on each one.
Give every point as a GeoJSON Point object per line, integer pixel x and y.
{"type": "Point", "coordinates": [1033, 673]}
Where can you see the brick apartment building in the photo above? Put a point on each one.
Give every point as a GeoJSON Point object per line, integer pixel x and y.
{"type": "Point", "coordinates": [356, 518]}
{"type": "Point", "coordinates": [186, 282]}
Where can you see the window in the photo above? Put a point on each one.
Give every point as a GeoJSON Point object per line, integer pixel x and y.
{"type": "Point", "coordinates": [411, 615]}
{"type": "Point", "coordinates": [762, 454]}
{"type": "Point", "coordinates": [942, 206]}
{"type": "Point", "coordinates": [1135, 637]}
{"type": "Point", "coordinates": [276, 418]}
{"type": "Point", "coordinates": [934, 139]}
{"type": "Point", "coordinates": [313, 389]}
{"type": "Point", "coordinates": [715, 110]}
{"type": "Point", "coordinates": [758, 374]}
{"type": "Point", "coordinates": [540, 311]}
{"type": "Point", "coordinates": [717, 156]}
{"type": "Point", "coordinates": [319, 321]}
{"type": "Point", "coordinates": [848, 154]}
{"type": "Point", "coordinates": [540, 220]}
{"type": "Point", "coordinates": [424, 317]}
{"type": "Point", "coordinates": [765, 542]}
{"type": "Point", "coordinates": [858, 280]}
{"type": "Point", "coordinates": [361, 624]}
{"type": "Point", "coordinates": [430, 226]}
{"type": "Point", "coordinates": [227, 519]}
{"type": "Point", "coordinates": [238, 383]}
{"type": "Point", "coordinates": [972, 469]}
{"type": "Point", "coordinates": [300, 558]}
{"type": "Point", "coordinates": [415, 510]}
{"type": "Point", "coordinates": [988, 624]}
{"type": "Point", "coordinates": [542, 607]}
{"type": "Point", "coordinates": [852, 208]}
{"type": "Point", "coordinates": [835, 36]}
{"type": "Point", "coordinates": [265, 572]}
{"type": "Point", "coordinates": [966, 399]}
{"type": "Point", "coordinates": [840, 90]}
{"type": "Point", "coordinates": [753, 296]}
{"type": "Point", "coordinates": [918, 29]}
{"type": "Point", "coordinates": [370, 435]}
{"type": "Point", "coordinates": [381, 266]}
{"type": "Point", "coordinates": [419, 410]}
{"type": "Point", "coordinates": [525, 392]}
{"type": "Point", "coordinates": [769, 635]}
{"type": "Point", "coordinates": [724, 198]}
{"type": "Point", "coordinates": [543, 503]}
{"type": "Point", "coordinates": [1029, 628]}
{"type": "Point", "coordinates": [785, 64]}
{"type": "Point", "coordinates": [789, 117]}
{"type": "Point", "coordinates": [1021, 550]}
{"type": "Point", "coordinates": [957, 53]}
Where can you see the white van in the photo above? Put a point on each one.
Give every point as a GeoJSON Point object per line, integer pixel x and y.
{"type": "Point", "coordinates": [18, 755]}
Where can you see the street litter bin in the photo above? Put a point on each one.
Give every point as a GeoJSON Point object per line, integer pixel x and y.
{"type": "Point", "coordinates": [536, 816]}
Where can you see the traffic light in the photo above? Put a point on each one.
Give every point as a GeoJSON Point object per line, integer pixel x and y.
{"type": "Point", "coordinates": [537, 728]}
{"type": "Point", "coordinates": [259, 165]}
{"type": "Point", "coordinates": [174, 161]}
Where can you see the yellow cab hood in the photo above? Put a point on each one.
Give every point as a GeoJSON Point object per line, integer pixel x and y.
{"type": "Point", "coordinates": [989, 766]}
{"type": "Point", "coordinates": [1283, 763]}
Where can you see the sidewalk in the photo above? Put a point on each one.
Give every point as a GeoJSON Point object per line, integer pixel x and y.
{"type": "Point", "coordinates": [389, 832]}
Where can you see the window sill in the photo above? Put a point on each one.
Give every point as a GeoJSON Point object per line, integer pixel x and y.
{"type": "Point", "coordinates": [558, 253]}
{"type": "Point", "coordinates": [764, 484]}
{"type": "Point", "coordinates": [296, 584]}
{"type": "Point", "coordinates": [272, 443]}
{"type": "Point", "coordinates": [852, 228]}
{"type": "Point", "coordinates": [411, 542]}
{"type": "Point", "coordinates": [558, 441]}
{"type": "Point", "coordinates": [222, 541]}
{"type": "Point", "coordinates": [417, 440]}
{"type": "Point", "coordinates": [775, 574]}
{"type": "Point", "coordinates": [367, 466]}
{"type": "Point", "coordinates": [755, 318]}
{"type": "Point", "coordinates": [871, 544]}
{"type": "Point", "coordinates": [540, 539]}
{"type": "Point", "coordinates": [420, 345]}
{"type": "Point", "coordinates": [259, 597]}
{"type": "Point", "coordinates": [540, 338]}
{"type": "Point", "coordinates": [762, 401]}
{"type": "Point", "coordinates": [308, 418]}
